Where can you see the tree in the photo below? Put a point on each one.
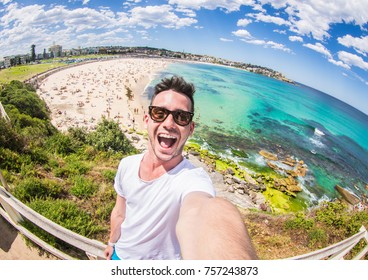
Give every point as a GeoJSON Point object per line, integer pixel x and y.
{"type": "Point", "coordinates": [33, 53]}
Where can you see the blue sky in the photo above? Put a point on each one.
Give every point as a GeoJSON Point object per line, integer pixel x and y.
{"type": "Point", "coordinates": [320, 43]}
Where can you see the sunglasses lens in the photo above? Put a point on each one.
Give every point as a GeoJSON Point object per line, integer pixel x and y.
{"type": "Point", "coordinates": [182, 118]}
{"type": "Point", "coordinates": [159, 114]}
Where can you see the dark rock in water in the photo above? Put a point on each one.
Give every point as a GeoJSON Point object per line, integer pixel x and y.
{"type": "Point", "coordinates": [347, 195]}
{"type": "Point", "coordinates": [239, 153]}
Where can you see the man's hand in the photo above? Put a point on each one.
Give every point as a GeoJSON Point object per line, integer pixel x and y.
{"type": "Point", "coordinates": [108, 252]}
{"type": "Point", "coordinates": [212, 228]}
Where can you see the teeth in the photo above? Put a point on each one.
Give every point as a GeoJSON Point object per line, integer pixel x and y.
{"type": "Point", "coordinates": [167, 136]}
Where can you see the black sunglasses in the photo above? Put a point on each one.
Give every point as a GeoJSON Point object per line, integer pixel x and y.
{"type": "Point", "coordinates": [159, 114]}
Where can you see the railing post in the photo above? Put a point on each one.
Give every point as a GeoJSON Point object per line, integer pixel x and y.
{"type": "Point", "coordinates": [13, 214]}
{"type": "Point", "coordinates": [3, 182]}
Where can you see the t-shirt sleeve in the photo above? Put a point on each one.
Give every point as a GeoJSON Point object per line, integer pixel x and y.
{"type": "Point", "coordinates": [119, 178]}
{"type": "Point", "coordinates": [197, 180]}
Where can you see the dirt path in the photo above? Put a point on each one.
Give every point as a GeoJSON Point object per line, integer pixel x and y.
{"type": "Point", "coordinates": [13, 245]}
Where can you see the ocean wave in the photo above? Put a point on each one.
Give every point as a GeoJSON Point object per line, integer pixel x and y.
{"type": "Point", "coordinates": [318, 132]}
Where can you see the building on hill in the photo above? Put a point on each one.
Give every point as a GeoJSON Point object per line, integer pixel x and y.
{"type": "Point", "coordinates": [56, 50]}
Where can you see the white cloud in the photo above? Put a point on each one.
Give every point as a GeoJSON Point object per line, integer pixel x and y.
{"type": "Point", "coordinates": [228, 6]}
{"type": "Point", "coordinates": [248, 38]}
{"type": "Point", "coordinates": [84, 2]}
{"type": "Point", "coordinates": [280, 31]}
{"type": "Point", "coordinates": [306, 18]}
{"type": "Point", "coordinates": [269, 19]}
{"type": "Point", "coordinates": [225, 40]}
{"type": "Point", "coordinates": [187, 12]}
{"type": "Point", "coordinates": [359, 44]}
{"type": "Point", "coordinates": [152, 16]}
{"type": "Point", "coordinates": [353, 60]}
{"type": "Point", "coordinates": [295, 39]}
{"type": "Point", "coordinates": [268, 44]}
{"type": "Point", "coordinates": [243, 22]}
{"type": "Point", "coordinates": [339, 63]}
{"type": "Point", "coordinates": [318, 47]}
{"type": "Point", "coordinates": [315, 17]}
{"type": "Point", "coordinates": [277, 46]}
{"type": "Point", "coordinates": [21, 26]}
{"type": "Point", "coordinates": [242, 33]}
{"type": "Point", "coordinates": [5, 1]}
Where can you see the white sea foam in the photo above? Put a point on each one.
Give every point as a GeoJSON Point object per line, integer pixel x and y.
{"type": "Point", "coordinates": [318, 132]}
{"type": "Point", "coordinates": [316, 142]}
{"type": "Point", "coordinates": [316, 139]}
{"type": "Point", "coordinates": [260, 160]}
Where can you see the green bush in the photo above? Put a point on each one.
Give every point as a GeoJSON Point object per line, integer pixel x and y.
{"type": "Point", "coordinates": [61, 144]}
{"type": "Point", "coordinates": [66, 214]}
{"type": "Point", "coordinates": [83, 187]}
{"type": "Point", "coordinates": [10, 160]}
{"type": "Point", "coordinates": [9, 138]}
{"type": "Point", "coordinates": [332, 214]}
{"type": "Point", "coordinates": [25, 99]}
{"type": "Point", "coordinates": [317, 237]}
{"type": "Point", "coordinates": [108, 136]}
{"type": "Point", "coordinates": [75, 165]}
{"type": "Point", "coordinates": [78, 134]}
{"type": "Point", "coordinates": [103, 211]}
{"type": "Point", "coordinates": [109, 175]}
{"type": "Point", "coordinates": [299, 222]}
{"type": "Point", "coordinates": [31, 189]}
{"type": "Point", "coordinates": [38, 155]}
{"type": "Point", "coordinates": [355, 221]}
{"type": "Point", "coordinates": [71, 167]}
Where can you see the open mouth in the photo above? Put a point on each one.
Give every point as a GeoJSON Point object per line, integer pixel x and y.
{"type": "Point", "coordinates": [166, 141]}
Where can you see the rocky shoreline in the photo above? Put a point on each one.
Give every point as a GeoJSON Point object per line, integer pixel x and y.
{"type": "Point", "coordinates": [227, 184]}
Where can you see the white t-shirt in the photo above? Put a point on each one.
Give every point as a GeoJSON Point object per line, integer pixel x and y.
{"type": "Point", "coordinates": [152, 208]}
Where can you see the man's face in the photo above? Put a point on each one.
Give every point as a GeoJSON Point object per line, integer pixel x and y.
{"type": "Point", "coordinates": [167, 138]}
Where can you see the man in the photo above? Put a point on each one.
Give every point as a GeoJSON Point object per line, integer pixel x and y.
{"type": "Point", "coordinates": [165, 207]}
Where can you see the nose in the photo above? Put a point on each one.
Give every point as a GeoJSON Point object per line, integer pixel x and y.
{"type": "Point", "coordinates": [169, 122]}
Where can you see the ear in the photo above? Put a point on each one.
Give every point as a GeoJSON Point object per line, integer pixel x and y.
{"type": "Point", "coordinates": [191, 128]}
{"type": "Point", "coordinates": [145, 120]}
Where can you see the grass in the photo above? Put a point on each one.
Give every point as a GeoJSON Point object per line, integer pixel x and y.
{"type": "Point", "coordinates": [24, 72]}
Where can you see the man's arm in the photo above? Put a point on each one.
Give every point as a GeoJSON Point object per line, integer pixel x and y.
{"type": "Point", "coordinates": [116, 219]}
{"type": "Point", "coordinates": [212, 228]}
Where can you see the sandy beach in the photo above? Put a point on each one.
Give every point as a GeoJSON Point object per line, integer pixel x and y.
{"type": "Point", "coordinates": [80, 96]}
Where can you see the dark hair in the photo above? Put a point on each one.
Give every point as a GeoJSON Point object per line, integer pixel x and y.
{"type": "Point", "coordinates": [177, 84]}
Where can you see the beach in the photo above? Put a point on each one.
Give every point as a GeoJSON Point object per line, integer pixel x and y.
{"type": "Point", "coordinates": [80, 96]}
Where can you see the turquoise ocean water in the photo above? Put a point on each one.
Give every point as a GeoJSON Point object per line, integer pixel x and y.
{"type": "Point", "coordinates": [239, 110]}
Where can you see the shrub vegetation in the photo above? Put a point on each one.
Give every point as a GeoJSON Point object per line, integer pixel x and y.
{"type": "Point", "coordinates": [66, 177]}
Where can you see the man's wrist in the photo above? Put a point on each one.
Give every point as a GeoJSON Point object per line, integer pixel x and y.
{"type": "Point", "coordinates": [112, 244]}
